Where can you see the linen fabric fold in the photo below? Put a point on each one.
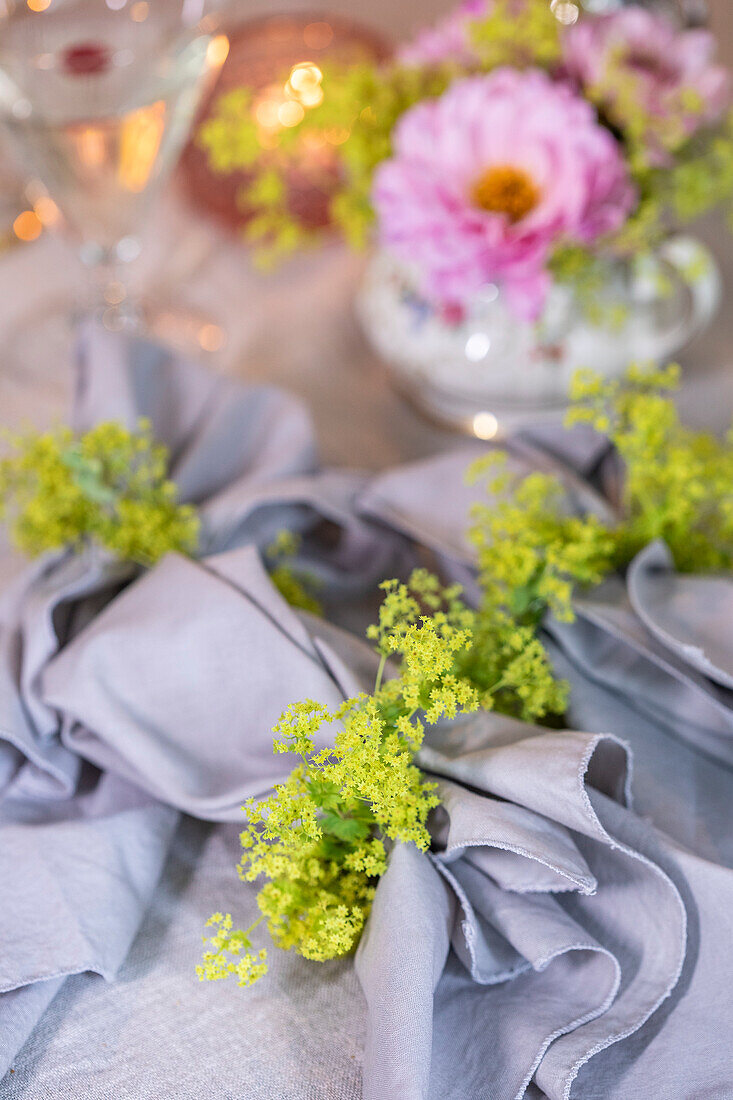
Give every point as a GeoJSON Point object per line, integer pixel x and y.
{"type": "Point", "coordinates": [554, 942]}
{"type": "Point", "coordinates": [245, 457]}
{"type": "Point", "coordinates": [177, 684]}
{"type": "Point", "coordinates": [77, 878]}
{"type": "Point", "coordinates": [565, 939]}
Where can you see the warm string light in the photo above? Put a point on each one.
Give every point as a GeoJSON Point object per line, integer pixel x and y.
{"type": "Point", "coordinates": [46, 211]}
{"type": "Point", "coordinates": [217, 51]}
{"type": "Point", "coordinates": [27, 226]}
{"type": "Point", "coordinates": [282, 106]}
{"type": "Point", "coordinates": [42, 214]}
{"type": "Point", "coordinates": [484, 425]}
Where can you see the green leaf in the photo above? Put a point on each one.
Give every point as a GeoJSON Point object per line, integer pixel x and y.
{"type": "Point", "coordinates": [345, 828]}
{"type": "Point", "coordinates": [325, 794]}
{"type": "Point", "coordinates": [87, 475]}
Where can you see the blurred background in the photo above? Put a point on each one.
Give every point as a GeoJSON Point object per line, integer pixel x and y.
{"type": "Point", "coordinates": [294, 326]}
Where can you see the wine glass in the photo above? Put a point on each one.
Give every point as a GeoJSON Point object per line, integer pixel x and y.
{"type": "Point", "coordinates": [97, 98]}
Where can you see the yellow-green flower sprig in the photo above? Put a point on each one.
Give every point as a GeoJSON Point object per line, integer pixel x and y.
{"type": "Point", "coordinates": [678, 483]}
{"type": "Point", "coordinates": [678, 486]}
{"type": "Point", "coordinates": [293, 586]}
{"type": "Point", "coordinates": [518, 34]}
{"type": "Point", "coordinates": [531, 553]}
{"type": "Point", "coordinates": [530, 549]}
{"type": "Point", "coordinates": [355, 122]}
{"type": "Point", "coordinates": [108, 486]}
{"type": "Point", "coordinates": [321, 839]}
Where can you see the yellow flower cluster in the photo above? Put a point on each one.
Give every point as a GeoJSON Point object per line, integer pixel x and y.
{"type": "Point", "coordinates": [530, 549]}
{"type": "Point", "coordinates": [224, 955]}
{"type": "Point", "coordinates": [519, 35]}
{"type": "Point", "coordinates": [678, 483]}
{"type": "Point", "coordinates": [295, 587]}
{"type": "Point", "coordinates": [321, 839]}
{"type": "Point", "coordinates": [108, 486]}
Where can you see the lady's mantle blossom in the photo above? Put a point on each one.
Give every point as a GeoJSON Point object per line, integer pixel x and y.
{"type": "Point", "coordinates": [488, 179]}
{"type": "Point", "coordinates": [108, 486]}
{"type": "Point", "coordinates": [648, 76]}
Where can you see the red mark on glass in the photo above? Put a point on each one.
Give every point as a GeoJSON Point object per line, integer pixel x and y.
{"type": "Point", "coordinates": [86, 59]}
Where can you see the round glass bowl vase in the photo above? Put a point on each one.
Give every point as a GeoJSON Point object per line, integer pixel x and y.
{"type": "Point", "coordinates": [484, 372]}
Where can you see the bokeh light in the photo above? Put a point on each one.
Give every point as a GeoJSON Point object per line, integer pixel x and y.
{"type": "Point", "coordinates": [485, 425]}
{"type": "Point", "coordinates": [565, 11]}
{"type": "Point", "coordinates": [27, 226]}
{"type": "Point", "coordinates": [217, 51]}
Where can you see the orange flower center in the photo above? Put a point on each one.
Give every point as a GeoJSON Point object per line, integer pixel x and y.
{"type": "Point", "coordinates": [506, 190]}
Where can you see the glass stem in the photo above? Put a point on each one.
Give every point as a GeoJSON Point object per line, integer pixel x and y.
{"type": "Point", "coordinates": [111, 302]}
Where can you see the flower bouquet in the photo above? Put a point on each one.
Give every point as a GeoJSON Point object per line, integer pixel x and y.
{"type": "Point", "coordinates": [524, 181]}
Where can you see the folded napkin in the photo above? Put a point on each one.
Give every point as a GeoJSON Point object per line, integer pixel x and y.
{"type": "Point", "coordinates": [177, 684]}
{"type": "Point", "coordinates": [690, 615]}
{"type": "Point", "coordinates": [244, 455]}
{"type": "Point", "coordinates": [565, 935]}
{"type": "Point", "coordinates": [648, 655]}
{"type": "Point", "coordinates": [83, 865]}
{"type": "Point", "coordinates": [655, 651]}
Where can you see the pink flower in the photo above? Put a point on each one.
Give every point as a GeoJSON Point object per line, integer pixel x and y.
{"type": "Point", "coordinates": [668, 67]}
{"type": "Point", "coordinates": [486, 180]}
{"type": "Point", "coordinates": [446, 40]}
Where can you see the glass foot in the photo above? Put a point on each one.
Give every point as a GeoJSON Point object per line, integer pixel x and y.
{"type": "Point", "coordinates": [37, 353]}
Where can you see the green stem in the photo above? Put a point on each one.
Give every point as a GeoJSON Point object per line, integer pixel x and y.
{"type": "Point", "coordinates": [254, 924]}
{"type": "Point", "coordinates": [380, 673]}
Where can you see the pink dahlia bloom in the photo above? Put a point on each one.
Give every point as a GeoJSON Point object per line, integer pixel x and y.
{"type": "Point", "coordinates": [486, 180]}
{"type": "Point", "coordinates": [446, 40]}
{"type": "Point", "coordinates": [665, 64]}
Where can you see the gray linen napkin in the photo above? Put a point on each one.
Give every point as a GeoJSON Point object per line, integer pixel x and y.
{"type": "Point", "coordinates": [691, 615]}
{"type": "Point", "coordinates": [239, 453]}
{"type": "Point", "coordinates": [615, 647]}
{"type": "Point", "coordinates": [177, 684]}
{"type": "Point", "coordinates": [43, 606]}
{"type": "Point", "coordinates": [565, 938]}
{"type": "Point", "coordinates": [245, 456]}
